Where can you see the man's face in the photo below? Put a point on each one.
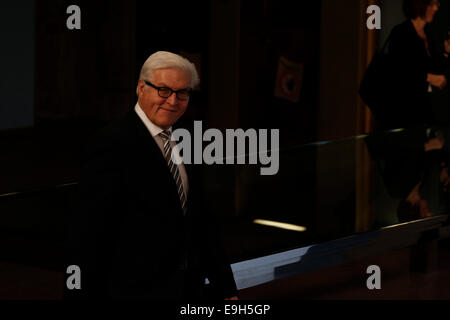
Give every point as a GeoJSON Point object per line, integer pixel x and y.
{"type": "Point", "coordinates": [164, 112]}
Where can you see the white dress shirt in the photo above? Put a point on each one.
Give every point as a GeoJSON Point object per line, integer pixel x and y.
{"type": "Point", "coordinates": [155, 131]}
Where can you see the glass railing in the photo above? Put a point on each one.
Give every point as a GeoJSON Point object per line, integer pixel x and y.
{"type": "Point", "coordinates": [322, 191]}
{"type": "Point", "coordinates": [331, 190]}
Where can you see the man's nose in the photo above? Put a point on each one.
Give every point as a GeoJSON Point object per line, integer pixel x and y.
{"type": "Point", "coordinates": [172, 99]}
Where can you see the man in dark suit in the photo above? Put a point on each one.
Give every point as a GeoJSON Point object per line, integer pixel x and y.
{"type": "Point", "coordinates": [139, 231]}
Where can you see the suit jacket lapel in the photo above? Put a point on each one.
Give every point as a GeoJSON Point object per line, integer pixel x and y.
{"type": "Point", "coordinates": [145, 140]}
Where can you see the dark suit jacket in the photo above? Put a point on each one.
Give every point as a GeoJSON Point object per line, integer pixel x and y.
{"type": "Point", "coordinates": [129, 235]}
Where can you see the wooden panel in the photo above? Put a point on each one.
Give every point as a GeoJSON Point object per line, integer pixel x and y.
{"type": "Point", "coordinates": [88, 72]}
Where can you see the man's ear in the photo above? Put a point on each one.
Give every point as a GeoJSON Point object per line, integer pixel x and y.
{"type": "Point", "coordinates": [140, 87]}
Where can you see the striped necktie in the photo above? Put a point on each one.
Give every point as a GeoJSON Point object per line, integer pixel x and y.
{"type": "Point", "coordinates": [165, 136]}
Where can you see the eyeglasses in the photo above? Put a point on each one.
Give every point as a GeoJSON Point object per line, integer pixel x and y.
{"type": "Point", "coordinates": [165, 92]}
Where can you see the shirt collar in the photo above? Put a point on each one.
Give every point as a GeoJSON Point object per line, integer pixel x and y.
{"type": "Point", "coordinates": [152, 128]}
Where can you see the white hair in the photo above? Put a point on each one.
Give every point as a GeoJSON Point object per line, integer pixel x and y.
{"type": "Point", "coordinates": [165, 60]}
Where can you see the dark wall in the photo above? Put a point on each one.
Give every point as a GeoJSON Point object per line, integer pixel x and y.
{"type": "Point", "coordinates": [87, 73]}
{"type": "Point", "coordinates": [270, 30]}
{"type": "Point", "coordinates": [16, 64]}
{"type": "Point", "coordinates": [92, 73]}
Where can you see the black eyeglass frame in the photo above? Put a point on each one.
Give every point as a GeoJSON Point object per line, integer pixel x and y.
{"type": "Point", "coordinates": [187, 91]}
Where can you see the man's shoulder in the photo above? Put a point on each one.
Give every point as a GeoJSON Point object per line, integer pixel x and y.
{"type": "Point", "coordinates": [124, 126]}
{"type": "Point", "coordinates": [114, 136]}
